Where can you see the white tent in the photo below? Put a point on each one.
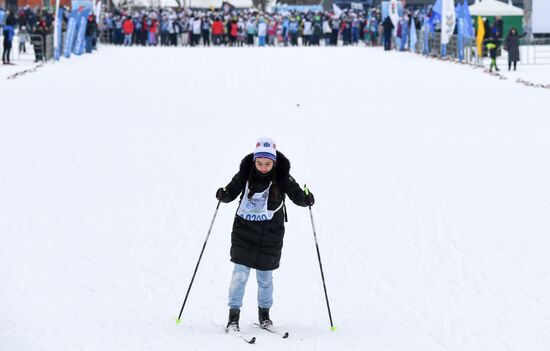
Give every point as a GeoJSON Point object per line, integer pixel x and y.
{"type": "Point", "coordinates": [188, 3]}
{"type": "Point", "coordinates": [218, 3]}
{"type": "Point", "coordinates": [494, 8]}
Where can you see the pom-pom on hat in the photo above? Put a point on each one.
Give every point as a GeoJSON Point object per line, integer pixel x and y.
{"type": "Point", "coordinates": [266, 147]}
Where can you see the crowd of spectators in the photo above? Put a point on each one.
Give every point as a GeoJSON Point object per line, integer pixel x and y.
{"type": "Point", "coordinates": [240, 28]}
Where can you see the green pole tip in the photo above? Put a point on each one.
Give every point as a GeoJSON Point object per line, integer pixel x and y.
{"type": "Point", "coordinates": [333, 328]}
{"type": "Point", "coordinates": [178, 321]}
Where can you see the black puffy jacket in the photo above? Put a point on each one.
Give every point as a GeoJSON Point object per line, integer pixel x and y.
{"type": "Point", "coordinates": [258, 244]}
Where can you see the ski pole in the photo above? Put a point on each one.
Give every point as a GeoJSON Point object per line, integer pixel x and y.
{"type": "Point", "coordinates": [178, 320]}
{"type": "Point", "coordinates": [332, 327]}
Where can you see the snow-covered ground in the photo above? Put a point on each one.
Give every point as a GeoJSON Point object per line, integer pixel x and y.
{"type": "Point", "coordinates": [21, 61]}
{"type": "Point", "coordinates": [534, 66]}
{"type": "Point", "coordinates": [431, 182]}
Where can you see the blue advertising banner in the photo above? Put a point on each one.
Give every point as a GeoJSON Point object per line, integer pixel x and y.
{"type": "Point", "coordinates": [58, 25]}
{"type": "Point", "coordinates": [81, 32]}
{"type": "Point", "coordinates": [70, 34]}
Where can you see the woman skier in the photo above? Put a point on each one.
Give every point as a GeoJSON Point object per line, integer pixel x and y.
{"type": "Point", "coordinates": [262, 182]}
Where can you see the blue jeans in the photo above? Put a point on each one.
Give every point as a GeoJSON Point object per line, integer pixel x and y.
{"type": "Point", "coordinates": [88, 40]}
{"type": "Point", "coordinates": [238, 283]}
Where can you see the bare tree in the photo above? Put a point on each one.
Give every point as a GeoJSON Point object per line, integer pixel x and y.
{"type": "Point", "coordinates": [528, 18]}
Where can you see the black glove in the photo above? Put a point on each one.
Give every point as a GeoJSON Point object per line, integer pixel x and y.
{"type": "Point", "coordinates": [309, 199]}
{"type": "Point", "coordinates": [221, 194]}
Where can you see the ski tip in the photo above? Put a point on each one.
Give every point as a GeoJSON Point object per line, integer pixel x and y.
{"type": "Point", "coordinates": [253, 340]}
{"type": "Point", "coordinates": [333, 328]}
{"type": "Point", "coordinates": [178, 321]}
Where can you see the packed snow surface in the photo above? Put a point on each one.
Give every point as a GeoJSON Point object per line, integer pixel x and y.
{"type": "Point", "coordinates": [431, 181]}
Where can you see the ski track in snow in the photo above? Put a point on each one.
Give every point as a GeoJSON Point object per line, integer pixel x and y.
{"type": "Point", "coordinates": [432, 227]}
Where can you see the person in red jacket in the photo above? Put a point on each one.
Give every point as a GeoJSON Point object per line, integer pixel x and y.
{"type": "Point", "coordinates": [128, 29]}
{"type": "Point", "coordinates": [217, 31]}
{"type": "Point", "coordinates": [233, 30]}
{"type": "Point", "coordinates": [153, 32]}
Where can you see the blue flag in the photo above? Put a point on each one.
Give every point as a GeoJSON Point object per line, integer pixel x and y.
{"type": "Point", "coordinates": [468, 26]}
{"type": "Point", "coordinates": [460, 30]}
{"type": "Point", "coordinates": [81, 32]}
{"type": "Point", "coordinates": [70, 34]}
{"type": "Point", "coordinates": [58, 25]}
{"type": "Point", "coordinates": [436, 15]}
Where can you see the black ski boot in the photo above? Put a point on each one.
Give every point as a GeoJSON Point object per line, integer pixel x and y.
{"type": "Point", "coordinates": [263, 318]}
{"type": "Point", "coordinates": [233, 323]}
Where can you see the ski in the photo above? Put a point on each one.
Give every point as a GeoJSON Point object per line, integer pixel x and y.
{"type": "Point", "coordinates": [283, 334]}
{"type": "Point", "coordinates": [241, 336]}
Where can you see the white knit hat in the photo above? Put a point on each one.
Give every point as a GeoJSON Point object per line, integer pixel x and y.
{"type": "Point", "coordinates": [266, 147]}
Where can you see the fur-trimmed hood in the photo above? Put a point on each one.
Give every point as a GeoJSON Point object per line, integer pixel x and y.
{"type": "Point", "coordinates": [282, 166]}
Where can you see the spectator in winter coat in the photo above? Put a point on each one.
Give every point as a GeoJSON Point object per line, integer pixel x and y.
{"type": "Point", "coordinates": [308, 32]}
{"type": "Point", "coordinates": [272, 33]}
{"type": "Point", "coordinates": [250, 32]}
{"type": "Point", "coordinates": [128, 29]}
{"type": "Point", "coordinates": [262, 32]}
{"type": "Point", "coordinates": [8, 32]}
{"type": "Point", "coordinates": [512, 46]}
{"type": "Point", "coordinates": [91, 27]}
{"type": "Point", "coordinates": [293, 31]}
{"type": "Point", "coordinates": [388, 28]}
{"type": "Point", "coordinates": [217, 31]}
{"type": "Point", "coordinates": [233, 32]}
{"type": "Point", "coordinates": [335, 26]}
{"type": "Point", "coordinates": [241, 32]}
{"type": "Point", "coordinates": [326, 31]}
{"type": "Point", "coordinates": [153, 28]}
{"type": "Point", "coordinates": [317, 31]}
{"type": "Point", "coordinates": [263, 181]}
{"type": "Point", "coordinates": [205, 31]}
{"type": "Point", "coordinates": [196, 31]}
{"type": "Point", "coordinates": [346, 31]}
{"type": "Point", "coordinates": [22, 36]}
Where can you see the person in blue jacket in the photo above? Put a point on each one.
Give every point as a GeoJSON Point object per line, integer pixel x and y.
{"type": "Point", "coordinates": [8, 32]}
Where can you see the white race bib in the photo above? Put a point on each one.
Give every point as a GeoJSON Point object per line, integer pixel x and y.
{"type": "Point", "coordinates": [254, 208]}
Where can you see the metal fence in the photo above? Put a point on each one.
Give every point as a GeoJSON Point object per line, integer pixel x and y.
{"type": "Point", "coordinates": [532, 52]}
{"type": "Point", "coordinates": [36, 48]}
{"type": "Point", "coordinates": [541, 52]}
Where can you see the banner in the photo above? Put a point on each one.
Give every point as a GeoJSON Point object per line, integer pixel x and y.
{"type": "Point", "coordinates": [480, 36]}
{"type": "Point", "coordinates": [385, 5]}
{"type": "Point", "coordinates": [394, 15]}
{"type": "Point", "coordinates": [57, 31]}
{"type": "Point", "coordinates": [413, 36]}
{"type": "Point", "coordinates": [337, 11]}
{"type": "Point", "coordinates": [468, 25]}
{"type": "Point", "coordinates": [70, 34]}
{"type": "Point", "coordinates": [97, 11]}
{"type": "Point", "coordinates": [460, 30]}
{"type": "Point", "coordinates": [80, 40]}
{"type": "Point", "coordinates": [448, 20]}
